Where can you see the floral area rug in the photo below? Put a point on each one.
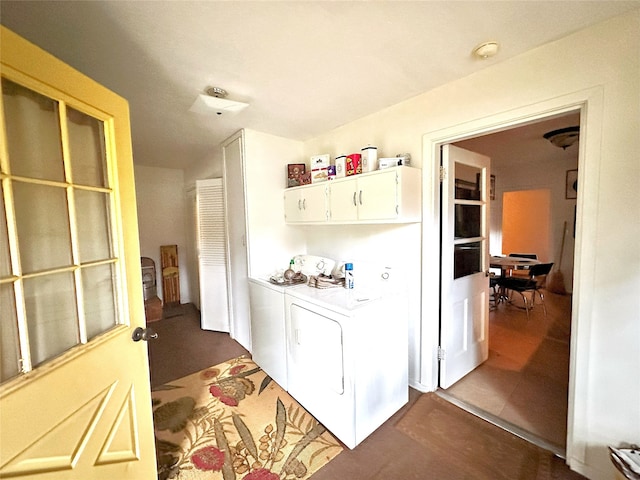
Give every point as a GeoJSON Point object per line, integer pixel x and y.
{"type": "Point", "coordinates": [232, 422]}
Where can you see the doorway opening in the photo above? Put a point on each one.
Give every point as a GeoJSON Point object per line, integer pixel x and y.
{"type": "Point", "coordinates": [524, 385]}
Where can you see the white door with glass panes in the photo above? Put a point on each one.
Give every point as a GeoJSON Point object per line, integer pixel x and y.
{"type": "Point", "coordinates": [464, 317]}
{"type": "Point", "coordinates": [75, 399]}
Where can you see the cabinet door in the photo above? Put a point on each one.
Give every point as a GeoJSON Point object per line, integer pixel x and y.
{"type": "Point", "coordinates": [377, 196]}
{"type": "Point", "coordinates": [293, 206]}
{"type": "Point", "coordinates": [236, 223]}
{"type": "Point", "coordinates": [268, 334]}
{"type": "Point", "coordinates": [343, 205]}
{"type": "Point", "coordinates": [306, 204]}
{"type": "Point", "coordinates": [317, 369]}
{"type": "Point", "coordinates": [314, 337]}
{"type": "Point", "coordinates": [314, 203]}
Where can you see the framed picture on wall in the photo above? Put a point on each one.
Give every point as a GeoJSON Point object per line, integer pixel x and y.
{"type": "Point", "coordinates": [492, 187]}
{"type": "Point", "coordinates": [571, 188]}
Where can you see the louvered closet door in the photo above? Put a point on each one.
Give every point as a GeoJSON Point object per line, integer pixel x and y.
{"type": "Point", "coordinates": [214, 306]}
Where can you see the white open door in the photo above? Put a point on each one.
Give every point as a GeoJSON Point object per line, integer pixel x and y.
{"type": "Point", "coordinates": [75, 399]}
{"type": "Point", "coordinates": [464, 317]}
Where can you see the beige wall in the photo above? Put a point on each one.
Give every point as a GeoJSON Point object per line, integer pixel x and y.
{"type": "Point", "coordinates": [598, 70]}
{"type": "Point", "coordinates": [161, 205]}
{"type": "Point", "coordinates": [271, 242]}
{"type": "Point", "coordinates": [541, 173]}
{"type": "Point", "coordinates": [526, 218]}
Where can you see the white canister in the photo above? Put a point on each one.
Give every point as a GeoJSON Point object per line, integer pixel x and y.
{"type": "Point", "coordinates": [341, 166]}
{"type": "Point", "coordinates": [369, 158]}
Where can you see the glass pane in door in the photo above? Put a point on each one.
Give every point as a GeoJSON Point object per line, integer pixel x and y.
{"type": "Point", "coordinates": [9, 366]}
{"type": "Point", "coordinates": [467, 221]}
{"type": "Point", "coordinates": [467, 259]}
{"type": "Point", "coordinates": [5, 263]}
{"type": "Point", "coordinates": [92, 219]}
{"type": "Point", "coordinates": [42, 220]}
{"type": "Point", "coordinates": [87, 149]}
{"type": "Point", "coordinates": [38, 154]}
{"type": "Point", "coordinates": [57, 241]}
{"type": "Point", "coordinates": [468, 211]}
{"type": "Point", "coordinates": [98, 285]}
{"type": "Point", "coordinates": [468, 182]}
{"type": "Point", "coordinates": [52, 318]}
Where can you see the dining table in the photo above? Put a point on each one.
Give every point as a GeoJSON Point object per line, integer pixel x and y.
{"type": "Point", "coordinates": [507, 265]}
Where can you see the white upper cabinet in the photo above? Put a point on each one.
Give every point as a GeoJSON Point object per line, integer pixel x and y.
{"type": "Point", "coordinates": [385, 196]}
{"type": "Point", "coordinates": [343, 200]}
{"type": "Point", "coordinates": [307, 204]}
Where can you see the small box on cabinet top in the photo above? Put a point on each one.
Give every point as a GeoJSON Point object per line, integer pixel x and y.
{"type": "Point", "coordinates": [354, 164]}
{"type": "Point", "coordinates": [294, 172]}
{"type": "Point", "coordinates": [319, 168]}
{"type": "Point", "coordinates": [305, 178]}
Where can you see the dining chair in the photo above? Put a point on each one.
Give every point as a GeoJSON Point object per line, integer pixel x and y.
{"type": "Point", "coordinates": [494, 291]}
{"type": "Point", "coordinates": [532, 284]}
{"type": "Point", "coordinates": [522, 270]}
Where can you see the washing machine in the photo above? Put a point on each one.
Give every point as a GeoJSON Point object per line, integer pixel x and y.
{"type": "Point", "coordinates": [268, 333]}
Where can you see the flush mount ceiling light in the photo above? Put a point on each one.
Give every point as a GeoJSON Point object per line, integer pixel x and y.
{"type": "Point", "coordinates": [214, 101]}
{"type": "Point", "coordinates": [563, 137]}
{"type": "Point", "coordinates": [486, 50]}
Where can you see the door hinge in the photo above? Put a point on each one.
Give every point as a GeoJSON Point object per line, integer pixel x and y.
{"type": "Point", "coordinates": [443, 174]}
{"type": "Point", "coordinates": [441, 354]}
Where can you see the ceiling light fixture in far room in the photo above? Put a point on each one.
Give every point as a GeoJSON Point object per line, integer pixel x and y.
{"type": "Point", "coordinates": [563, 137]}
{"type": "Point", "coordinates": [486, 50]}
{"type": "Point", "coordinates": [214, 101]}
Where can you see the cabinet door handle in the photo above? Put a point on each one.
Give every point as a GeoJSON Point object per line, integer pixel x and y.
{"type": "Point", "coordinates": [304, 204]}
{"type": "Point", "coordinates": [360, 197]}
{"type": "Point", "coordinates": [299, 204]}
{"type": "Point", "coordinates": [354, 199]}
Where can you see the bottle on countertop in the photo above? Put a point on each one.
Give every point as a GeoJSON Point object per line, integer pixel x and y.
{"type": "Point", "coordinates": [348, 275]}
{"type": "Point", "coordinates": [289, 273]}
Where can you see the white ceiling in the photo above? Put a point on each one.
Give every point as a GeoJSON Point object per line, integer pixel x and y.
{"type": "Point", "coordinates": [526, 144]}
{"type": "Point", "coordinates": [305, 67]}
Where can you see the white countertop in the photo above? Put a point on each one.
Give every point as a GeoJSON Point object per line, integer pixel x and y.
{"type": "Point", "coordinates": [338, 299]}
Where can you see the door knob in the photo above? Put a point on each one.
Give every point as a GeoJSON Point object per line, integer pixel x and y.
{"type": "Point", "coordinates": [145, 334]}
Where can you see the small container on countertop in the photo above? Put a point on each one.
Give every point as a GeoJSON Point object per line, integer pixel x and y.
{"type": "Point", "coordinates": [348, 275]}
